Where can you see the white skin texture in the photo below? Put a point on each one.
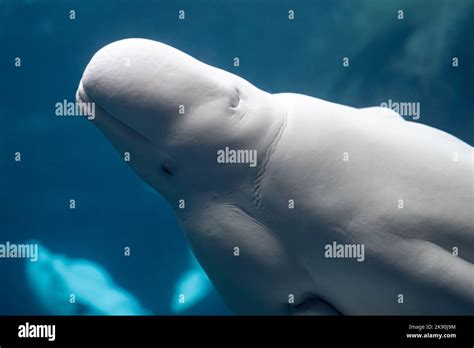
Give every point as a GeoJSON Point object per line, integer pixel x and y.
{"type": "Point", "coordinates": [347, 171]}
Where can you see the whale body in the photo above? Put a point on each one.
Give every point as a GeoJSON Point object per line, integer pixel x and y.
{"type": "Point", "coordinates": [346, 211]}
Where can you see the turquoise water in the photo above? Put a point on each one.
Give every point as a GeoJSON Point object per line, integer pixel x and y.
{"type": "Point", "coordinates": [406, 60]}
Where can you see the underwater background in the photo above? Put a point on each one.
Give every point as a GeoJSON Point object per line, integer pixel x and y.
{"type": "Point", "coordinates": [407, 59]}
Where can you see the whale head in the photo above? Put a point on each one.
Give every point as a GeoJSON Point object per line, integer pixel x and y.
{"type": "Point", "coordinates": [172, 114]}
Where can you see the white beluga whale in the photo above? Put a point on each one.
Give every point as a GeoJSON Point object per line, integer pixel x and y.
{"type": "Point", "coordinates": [192, 287]}
{"type": "Point", "coordinates": [66, 286]}
{"type": "Point", "coordinates": [346, 211]}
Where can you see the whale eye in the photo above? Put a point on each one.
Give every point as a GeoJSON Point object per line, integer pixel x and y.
{"type": "Point", "coordinates": [167, 168]}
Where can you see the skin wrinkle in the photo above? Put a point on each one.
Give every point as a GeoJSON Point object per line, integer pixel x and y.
{"type": "Point", "coordinates": [257, 193]}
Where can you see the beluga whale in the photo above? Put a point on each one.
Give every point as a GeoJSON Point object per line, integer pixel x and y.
{"type": "Point", "coordinates": [292, 204]}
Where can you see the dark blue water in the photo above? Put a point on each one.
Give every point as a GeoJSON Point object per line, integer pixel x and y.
{"type": "Point", "coordinates": [407, 60]}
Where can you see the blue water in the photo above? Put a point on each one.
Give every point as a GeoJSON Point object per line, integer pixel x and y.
{"type": "Point", "coordinates": [407, 60]}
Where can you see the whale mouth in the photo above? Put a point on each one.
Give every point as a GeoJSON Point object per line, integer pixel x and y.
{"type": "Point", "coordinates": [83, 97]}
{"type": "Point", "coordinates": [108, 122]}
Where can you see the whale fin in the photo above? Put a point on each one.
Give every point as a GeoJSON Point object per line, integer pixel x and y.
{"type": "Point", "coordinates": [247, 264]}
{"type": "Point", "coordinates": [314, 306]}
{"type": "Point", "coordinates": [379, 111]}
